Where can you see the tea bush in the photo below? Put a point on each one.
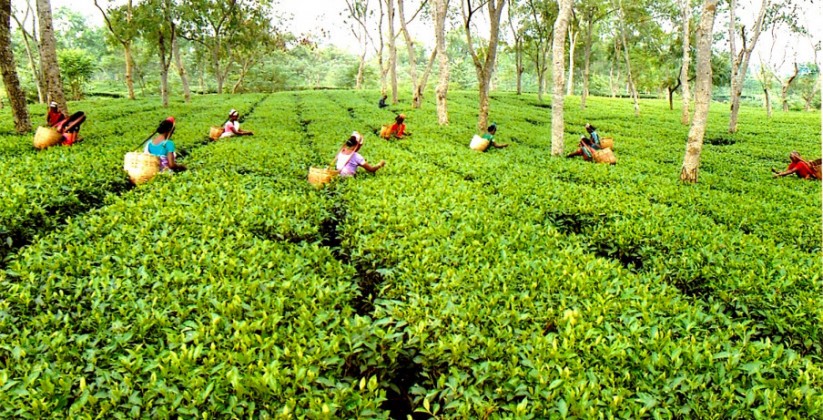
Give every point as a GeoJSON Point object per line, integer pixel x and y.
{"type": "Point", "coordinates": [451, 283]}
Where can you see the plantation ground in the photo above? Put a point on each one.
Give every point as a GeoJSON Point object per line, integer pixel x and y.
{"type": "Point", "coordinates": [504, 284]}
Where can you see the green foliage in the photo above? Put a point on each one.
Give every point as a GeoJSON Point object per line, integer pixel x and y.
{"type": "Point", "coordinates": [76, 67]}
{"type": "Point", "coordinates": [463, 284]}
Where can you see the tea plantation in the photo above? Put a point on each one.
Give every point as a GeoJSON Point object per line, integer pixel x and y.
{"type": "Point", "coordinates": [451, 283]}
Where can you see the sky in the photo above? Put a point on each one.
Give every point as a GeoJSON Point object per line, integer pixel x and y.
{"type": "Point", "coordinates": [309, 16]}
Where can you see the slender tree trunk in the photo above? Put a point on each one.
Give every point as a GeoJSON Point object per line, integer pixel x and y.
{"type": "Point", "coordinates": [30, 57]}
{"type": "Point", "coordinates": [541, 80]}
{"type": "Point", "coordinates": [181, 70]}
{"type": "Point", "coordinates": [767, 102]}
{"type": "Point", "coordinates": [41, 97]}
{"type": "Point", "coordinates": [485, 68]}
{"type": "Point", "coordinates": [702, 96]}
{"type": "Point", "coordinates": [48, 56]}
{"type": "Point", "coordinates": [740, 60]}
{"type": "Point", "coordinates": [41, 78]}
{"type": "Point", "coordinates": [244, 70]}
{"type": "Point", "coordinates": [129, 69]}
{"type": "Point", "coordinates": [630, 79]}
{"type": "Point", "coordinates": [558, 55]}
{"type": "Point", "coordinates": [518, 58]}
{"type": "Point", "coordinates": [424, 79]}
{"type": "Point", "coordinates": [392, 51]}
{"type": "Point", "coordinates": [612, 82]}
{"type": "Point", "coordinates": [203, 79]}
{"type": "Point", "coordinates": [587, 54]}
{"type": "Point", "coordinates": [358, 81]}
{"type": "Point", "coordinates": [215, 53]}
{"type": "Point", "coordinates": [17, 97]}
{"type": "Point", "coordinates": [401, 15]}
{"type": "Point", "coordinates": [384, 70]}
{"type": "Point", "coordinates": [164, 71]}
{"type": "Point", "coordinates": [572, 42]}
{"type": "Point", "coordinates": [784, 91]}
{"type": "Point", "coordinates": [684, 69]}
{"type": "Point", "coordinates": [441, 8]}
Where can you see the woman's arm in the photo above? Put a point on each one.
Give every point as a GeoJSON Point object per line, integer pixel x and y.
{"type": "Point", "coordinates": [784, 173]}
{"type": "Point", "coordinates": [374, 168]}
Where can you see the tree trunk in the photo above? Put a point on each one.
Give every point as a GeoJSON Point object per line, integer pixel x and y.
{"type": "Point", "coordinates": [421, 85]}
{"type": "Point", "coordinates": [215, 53]}
{"type": "Point", "coordinates": [784, 91]}
{"type": "Point", "coordinates": [48, 56]}
{"type": "Point", "coordinates": [612, 82]}
{"type": "Point", "coordinates": [41, 98]}
{"type": "Point", "coordinates": [392, 51]}
{"type": "Point", "coordinates": [129, 69]}
{"type": "Point", "coordinates": [572, 43]}
{"type": "Point", "coordinates": [164, 70]}
{"type": "Point", "coordinates": [412, 59]}
{"type": "Point", "coordinates": [485, 68]}
{"type": "Point", "coordinates": [181, 70]}
{"type": "Point", "coordinates": [630, 80]}
{"type": "Point", "coordinates": [684, 69]}
{"type": "Point", "coordinates": [587, 54]}
{"type": "Point", "coordinates": [17, 97]}
{"type": "Point", "coordinates": [767, 102]}
{"type": "Point", "coordinates": [441, 8]}
{"type": "Point", "coordinates": [703, 94]}
{"type": "Point", "coordinates": [202, 74]}
{"type": "Point", "coordinates": [740, 60]}
{"type": "Point", "coordinates": [164, 85]}
{"type": "Point", "coordinates": [558, 56]}
{"type": "Point", "coordinates": [541, 82]}
{"type": "Point", "coordinates": [244, 70]}
{"type": "Point", "coordinates": [520, 68]}
{"type": "Point", "coordinates": [384, 71]}
{"type": "Point", "coordinates": [358, 81]}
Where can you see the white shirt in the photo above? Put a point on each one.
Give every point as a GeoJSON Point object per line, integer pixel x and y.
{"type": "Point", "coordinates": [230, 128]}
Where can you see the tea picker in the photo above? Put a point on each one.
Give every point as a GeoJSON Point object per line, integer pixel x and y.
{"type": "Point", "coordinates": [397, 130]}
{"type": "Point", "coordinates": [230, 128]}
{"type": "Point", "coordinates": [594, 148]}
{"type": "Point", "coordinates": [345, 163]}
{"type": "Point", "coordinates": [60, 129]}
{"type": "Point", "coordinates": [484, 142]}
{"type": "Point", "coordinates": [801, 168]}
{"type": "Point", "coordinates": [158, 155]}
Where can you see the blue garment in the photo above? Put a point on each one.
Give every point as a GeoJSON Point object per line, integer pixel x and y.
{"type": "Point", "coordinates": [595, 139]}
{"type": "Point", "coordinates": [160, 150]}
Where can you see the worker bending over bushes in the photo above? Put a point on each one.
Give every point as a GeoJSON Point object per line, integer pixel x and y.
{"type": "Point", "coordinates": [348, 160]}
{"type": "Point", "coordinates": [587, 146]}
{"type": "Point", "coordinates": [232, 127]}
{"type": "Point", "coordinates": [799, 167]}
{"type": "Point", "coordinates": [68, 126]}
{"type": "Point", "coordinates": [397, 130]}
{"type": "Point", "coordinates": [163, 147]}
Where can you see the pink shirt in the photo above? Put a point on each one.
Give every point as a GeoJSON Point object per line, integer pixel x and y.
{"type": "Point", "coordinates": [347, 163]}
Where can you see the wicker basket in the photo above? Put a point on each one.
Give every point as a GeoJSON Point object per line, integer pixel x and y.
{"type": "Point", "coordinates": [141, 167]}
{"type": "Point", "coordinates": [384, 132]}
{"type": "Point", "coordinates": [604, 156]}
{"type": "Point", "coordinates": [321, 176]}
{"type": "Point", "coordinates": [215, 133]}
{"type": "Point", "coordinates": [479, 143]}
{"type": "Point", "coordinates": [607, 143]}
{"type": "Point", "coordinates": [817, 168]}
{"type": "Point", "coordinates": [46, 137]}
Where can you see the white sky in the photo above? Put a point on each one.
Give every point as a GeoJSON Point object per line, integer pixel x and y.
{"type": "Point", "coordinates": [311, 16]}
